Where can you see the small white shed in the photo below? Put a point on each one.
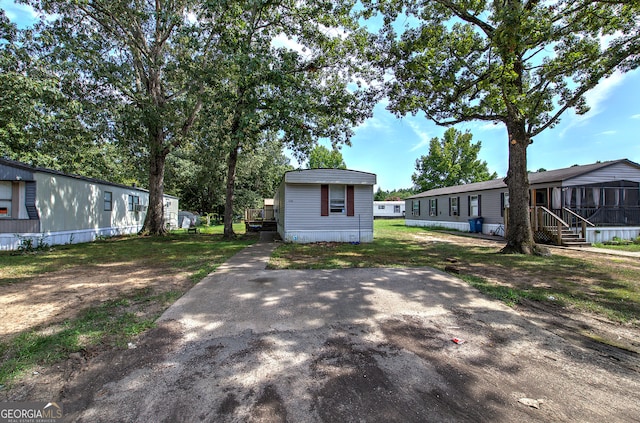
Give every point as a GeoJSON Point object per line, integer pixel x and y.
{"type": "Point", "coordinates": [325, 205]}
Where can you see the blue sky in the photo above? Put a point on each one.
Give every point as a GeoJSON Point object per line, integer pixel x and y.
{"type": "Point", "coordinates": [389, 146]}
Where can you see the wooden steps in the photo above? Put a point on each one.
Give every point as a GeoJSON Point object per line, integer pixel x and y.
{"type": "Point", "coordinates": [572, 239]}
{"type": "Point", "coordinates": [568, 237]}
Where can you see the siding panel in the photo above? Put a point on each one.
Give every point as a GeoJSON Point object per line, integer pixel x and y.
{"type": "Point", "coordinates": [615, 172]}
{"type": "Point", "coordinates": [490, 205]}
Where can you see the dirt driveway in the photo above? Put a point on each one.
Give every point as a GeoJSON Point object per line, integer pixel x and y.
{"type": "Point", "coordinates": [356, 345]}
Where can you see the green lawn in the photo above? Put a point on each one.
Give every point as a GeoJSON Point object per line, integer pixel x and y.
{"type": "Point", "coordinates": [632, 247]}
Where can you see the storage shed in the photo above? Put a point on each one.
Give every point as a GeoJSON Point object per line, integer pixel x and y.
{"type": "Point", "coordinates": [330, 205]}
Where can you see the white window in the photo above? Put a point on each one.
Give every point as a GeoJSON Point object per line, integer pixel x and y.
{"type": "Point", "coordinates": [433, 207]}
{"type": "Point", "coordinates": [337, 198]}
{"type": "Point", "coordinates": [380, 207]}
{"type": "Point", "coordinates": [415, 208]}
{"type": "Point", "coordinates": [453, 206]}
{"type": "Point", "coordinates": [473, 205]}
{"type": "Point", "coordinates": [134, 200]}
{"type": "Point", "coordinates": [396, 209]}
{"type": "Point", "coordinates": [5, 199]}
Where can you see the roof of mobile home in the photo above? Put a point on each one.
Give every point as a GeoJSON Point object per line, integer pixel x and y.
{"type": "Point", "coordinates": [330, 176]}
{"type": "Point", "coordinates": [27, 167]}
{"type": "Point", "coordinates": [548, 176]}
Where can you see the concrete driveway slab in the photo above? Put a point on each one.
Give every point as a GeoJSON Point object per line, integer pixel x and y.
{"type": "Point", "coordinates": [354, 345]}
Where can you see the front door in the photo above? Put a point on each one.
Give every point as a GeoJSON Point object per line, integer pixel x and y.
{"type": "Point", "coordinates": [540, 197]}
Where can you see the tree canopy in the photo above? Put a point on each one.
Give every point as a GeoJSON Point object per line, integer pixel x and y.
{"type": "Point", "coordinates": [451, 161]}
{"type": "Point", "coordinates": [220, 78]}
{"type": "Point", "coordinates": [260, 90]}
{"type": "Point", "coordinates": [521, 63]}
{"type": "Point", "coordinates": [323, 158]}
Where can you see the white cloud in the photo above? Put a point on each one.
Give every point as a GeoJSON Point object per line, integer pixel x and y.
{"type": "Point", "coordinates": [635, 116]}
{"type": "Point", "coordinates": [424, 136]}
{"type": "Point", "coordinates": [608, 133]}
{"type": "Point", "coordinates": [595, 99]}
{"type": "Point", "coordinates": [373, 123]}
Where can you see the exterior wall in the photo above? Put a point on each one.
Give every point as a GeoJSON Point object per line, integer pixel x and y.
{"type": "Point", "coordinates": [297, 207]}
{"type": "Point", "coordinates": [68, 204]}
{"type": "Point", "coordinates": [171, 212]}
{"type": "Point", "coordinates": [303, 223]}
{"type": "Point", "coordinates": [490, 211]}
{"type": "Point", "coordinates": [456, 226]}
{"type": "Point", "coordinates": [615, 172]}
{"type": "Point", "coordinates": [71, 210]}
{"type": "Point", "coordinates": [388, 210]}
{"type": "Point", "coordinates": [604, 234]}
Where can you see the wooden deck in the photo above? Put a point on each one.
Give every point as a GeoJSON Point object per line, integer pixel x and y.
{"type": "Point", "coordinates": [256, 220]}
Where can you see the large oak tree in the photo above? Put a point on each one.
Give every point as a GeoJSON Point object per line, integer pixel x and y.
{"type": "Point", "coordinates": [522, 63]}
{"type": "Point", "coordinates": [137, 52]}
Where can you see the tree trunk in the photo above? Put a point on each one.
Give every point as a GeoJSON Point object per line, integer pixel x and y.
{"type": "Point", "coordinates": [231, 182]}
{"type": "Point", "coordinates": [519, 236]}
{"type": "Point", "coordinates": [154, 221]}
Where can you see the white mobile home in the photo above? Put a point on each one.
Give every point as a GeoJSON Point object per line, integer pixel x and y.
{"type": "Point", "coordinates": [44, 205]}
{"type": "Point", "coordinates": [388, 209]}
{"type": "Point", "coordinates": [331, 205]}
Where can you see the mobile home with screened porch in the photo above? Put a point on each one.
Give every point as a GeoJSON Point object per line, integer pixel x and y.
{"type": "Point", "coordinates": [597, 201]}
{"type": "Point", "coordinates": [325, 205]}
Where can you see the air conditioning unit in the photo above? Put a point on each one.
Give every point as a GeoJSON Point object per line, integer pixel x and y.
{"type": "Point", "coordinates": [140, 208]}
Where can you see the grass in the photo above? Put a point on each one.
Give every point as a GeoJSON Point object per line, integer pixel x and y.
{"type": "Point", "coordinates": [609, 288]}
{"type": "Point", "coordinates": [109, 323]}
{"type": "Point", "coordinates": [178, 250]}
{"type": "Point", "coordinates": [620, 244]}
{"type": "Point", "coordinates": [117, 321]}
{"type": "Point", "coordinates": [622, 247]}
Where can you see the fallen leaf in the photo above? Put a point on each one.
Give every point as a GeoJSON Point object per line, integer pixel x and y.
{"type": "Point", "coordinates": [530, 402]}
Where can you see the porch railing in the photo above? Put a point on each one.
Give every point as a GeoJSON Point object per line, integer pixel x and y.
{"type": "Point", "coordinates": [576, 222]}
{"type": "Point", "coordinates": [608, 215]}
{"type": "Point", "coordinates": [256, 215]}
{"type": "Point", "coordinates": [544, 220]}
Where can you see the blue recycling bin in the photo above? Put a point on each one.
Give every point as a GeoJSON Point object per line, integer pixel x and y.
{"type": "Point", "coordinates": [479, 222]}
{"type": "Point", "coordinates": [475, 224]}
{"type": "Point", "coordinates": [472, 225]}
